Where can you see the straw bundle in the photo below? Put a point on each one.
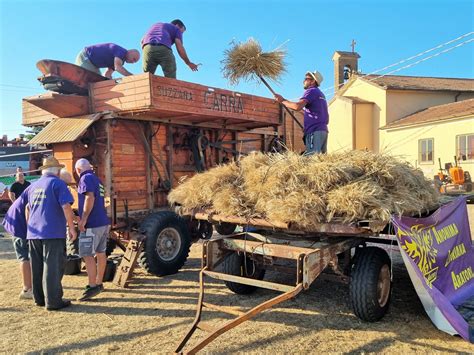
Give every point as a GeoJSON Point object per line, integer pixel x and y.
{"type": "Point", "coordinates": [247, 61]}
{"type": "Point", "coordinates": [306, 190]}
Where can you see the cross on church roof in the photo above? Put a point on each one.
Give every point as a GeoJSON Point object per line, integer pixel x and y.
{"type": "Point", "coordinates": [353, 44]}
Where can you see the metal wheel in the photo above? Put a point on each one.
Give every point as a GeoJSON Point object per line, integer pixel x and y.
{"type": "Point", "coordinates": [383, 286]}
{"type": "Point", "coordinates": [168, 244]}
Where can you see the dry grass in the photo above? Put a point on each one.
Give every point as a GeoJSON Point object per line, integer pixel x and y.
{"type": "Point", "coordinates": [247, 61]}
{"type": "Point", "coordinates": [154, 313]}
{"type": "Point", "coordinates": [306, 190]}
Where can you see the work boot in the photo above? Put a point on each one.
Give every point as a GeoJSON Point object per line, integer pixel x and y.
{"type": "Point", "coordinates": [90, 291]}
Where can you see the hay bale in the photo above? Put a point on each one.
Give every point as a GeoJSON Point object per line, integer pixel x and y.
{"type": "Point", "coordinates": [307, 190]}
{"type": "Point", "coordinates": [247, 61]}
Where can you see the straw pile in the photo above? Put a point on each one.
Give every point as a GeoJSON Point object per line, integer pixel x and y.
{"type": "Point", "coordinates": [307, 190]}
{"type": "Point", "coordinates": [247, 61]}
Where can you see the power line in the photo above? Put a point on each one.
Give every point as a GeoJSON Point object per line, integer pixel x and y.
{"type": "Point", "coordinates": [416, 56]}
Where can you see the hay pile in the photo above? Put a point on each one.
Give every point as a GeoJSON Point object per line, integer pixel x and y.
{"type": "Point", "coordinates": [247, 61]}
{"type": "Point", "coordinates": [306, 190]}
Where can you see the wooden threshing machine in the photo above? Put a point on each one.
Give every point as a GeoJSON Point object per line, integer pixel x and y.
{"type": "Point", "coordinates": [142, 134]}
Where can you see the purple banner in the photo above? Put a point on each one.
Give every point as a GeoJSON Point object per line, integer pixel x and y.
{"type": "Point", "coordinates": [439, 249]}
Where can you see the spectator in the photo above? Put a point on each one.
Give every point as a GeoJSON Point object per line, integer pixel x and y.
{"type": "Point", "coordinates": [18, 186]}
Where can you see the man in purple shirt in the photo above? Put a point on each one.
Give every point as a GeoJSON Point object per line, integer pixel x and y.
{"type": "Point", "coordinates": [316, 116]}
{"type": "Point", "coordinates": [156, 46]}
{"type": "Point", "coordinates": [15, 224]}
{"type": "Point", "coordinates": [94, 227]}
{"type": "Point", "coordinates": [107, 55]}
{"type": "Point", "coordinates": [48, 210]}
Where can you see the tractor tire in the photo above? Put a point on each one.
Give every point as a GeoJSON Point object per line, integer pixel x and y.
{"type": "Point", "coordinates": [111, 245]}
{"type": "Point", "coordinates": [225, 228]}
{"type": "Point", "coordinates": [234, 264]}
{"type": "Point", "coordinates": [72, 248]}
{"type": "Point", "coordinates": [167, 243]}
{"type": "Point", "coordinates": [371, 285]}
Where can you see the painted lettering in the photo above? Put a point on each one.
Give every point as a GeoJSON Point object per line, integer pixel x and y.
{"type": "Point", "coordinates": [458, 251]}
{"type": "Point", "coordinates": [462, 277]}
{"type": "Point", "coordinates": [222, 102]}
{"type": "Point", "coordinates": [175, 93]}
{"type": "Point", "coordinates": [445, 233]}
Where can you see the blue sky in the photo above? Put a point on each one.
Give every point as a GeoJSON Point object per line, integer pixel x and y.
{"type": "Point", "coordinates": [386, 32]}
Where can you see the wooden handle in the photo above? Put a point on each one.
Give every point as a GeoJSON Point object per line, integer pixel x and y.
{"type": "Point", "coordinates": [286, 108]}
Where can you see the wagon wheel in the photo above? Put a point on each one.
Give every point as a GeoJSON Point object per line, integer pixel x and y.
{"type": "Point", "coordinates": [371, 284]}
{"type": "Point", "coordinates": [167, 243]}
{"type": "Point", "coordinates": [238, 265]}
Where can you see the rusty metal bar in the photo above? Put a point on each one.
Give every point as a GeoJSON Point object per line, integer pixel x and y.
{"type": "Point", "coordinates": [253, 312]}
{"type": "Point", "coordinates": [249, 281]}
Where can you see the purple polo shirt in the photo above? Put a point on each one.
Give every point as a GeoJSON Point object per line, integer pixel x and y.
{"type": "Point", "coordinates": [102, 55]}
{"type": "Point", "coordinates": [15, 220]}
{"type": "Point", "coordinates": [162, 33]}
{"type": "Point", "coordinates": [316, 116]}
{"type": "Point", "coordinates": [89, 182]}
{"type": "Point", "coordinates": [46, 197]}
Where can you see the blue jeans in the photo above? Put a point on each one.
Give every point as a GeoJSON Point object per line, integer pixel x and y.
{"type": "Point", "coordinates": [316, 142]}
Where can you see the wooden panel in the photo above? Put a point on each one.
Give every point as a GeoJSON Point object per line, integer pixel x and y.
{"type": "Point", "coordinates": [60, 105]}
{"type": "Point", "coordinates": [34, 116]}
{"type": "Point", "coordinates": [169, 98]}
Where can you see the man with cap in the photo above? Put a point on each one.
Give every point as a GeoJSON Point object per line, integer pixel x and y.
{"type": "Point", "coordinates": [107, 55]}
{"type": "Point", "coordinates": [316, 116]}
{"type": "Point", "coordinates": [156, 46]}
{"type": "Point", "coordinates": [94, 227]}
{"type": "Point", "coordinates": [48, 210]}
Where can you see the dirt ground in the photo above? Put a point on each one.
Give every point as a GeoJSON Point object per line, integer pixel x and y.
{"type": "Point", "coordinates": [154, 313]}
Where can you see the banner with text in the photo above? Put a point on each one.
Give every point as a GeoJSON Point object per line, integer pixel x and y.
{"type": "Point", "coordinates": [439, 256]}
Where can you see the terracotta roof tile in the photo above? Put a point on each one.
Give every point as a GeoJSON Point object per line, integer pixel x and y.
{"type": "Point", "coordinates": [436, 114]}
{"type": "Point", "coordinates": [398, 82]}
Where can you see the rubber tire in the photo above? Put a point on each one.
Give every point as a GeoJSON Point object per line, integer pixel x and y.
{"type": "Point", "coordinates": [364, 279]}
{"type": "Point", "coordinates": [152, 227]}
{"type": "Point", "coordinates": [225, 228]}
{"type": "Point", "coordinates": [111, 245]}
{"type": "Point", "coordinates": [234, 265]}
{"type": "Point", "coordinates": [72, 248]}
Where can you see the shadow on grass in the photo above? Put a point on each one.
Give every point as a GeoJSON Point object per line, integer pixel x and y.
{"type": "Point", "coordinates": [109, 339]}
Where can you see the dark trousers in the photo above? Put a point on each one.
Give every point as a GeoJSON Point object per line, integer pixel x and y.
{"type": "Point", "coordinates": [48, 258]}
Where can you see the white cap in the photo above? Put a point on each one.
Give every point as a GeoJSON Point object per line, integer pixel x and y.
{"type": "Point", "coordinates": [316, 76]}
{"type": "Point", "coordinates": [83, 164]}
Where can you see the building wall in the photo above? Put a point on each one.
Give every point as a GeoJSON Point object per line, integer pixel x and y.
{"type": "Point", "coordinates": [364, 126]}
{"type": "Point", "coordinates": [340, 125]}
{"type": "Point", "coordinates": [403, 142]}
{"type": "Point", "coordinates": [403, 103]}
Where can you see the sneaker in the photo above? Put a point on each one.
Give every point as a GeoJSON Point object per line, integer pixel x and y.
{"type": "Point", "coordinates": [63, 304]}
{"type": "Point", "coordinates": [101, 287]}
{"type": "Point", "coordinates": [90, 292]}
{"type": "Point", "coordinates": [26, 295]}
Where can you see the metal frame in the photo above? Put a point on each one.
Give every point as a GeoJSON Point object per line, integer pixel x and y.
{"type": "Point", "coordinates": [311, 258]}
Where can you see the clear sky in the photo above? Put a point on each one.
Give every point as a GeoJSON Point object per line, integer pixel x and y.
{"type": "Point", "coordinates": [386, 32]}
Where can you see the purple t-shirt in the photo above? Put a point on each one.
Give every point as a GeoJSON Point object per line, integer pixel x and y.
{"type": "Point", "coordinates": [162, 33]}
{"type": "Point", "coordinates": [102, 55]}
{"type": "Point", "coordinates": [88, 182]}
{"type": "Point", "coordinates": [15, 220]}
{"type": "Point", "coordinates": [316, 116]}
{"type": "Point", "coordinates": [46, 197]}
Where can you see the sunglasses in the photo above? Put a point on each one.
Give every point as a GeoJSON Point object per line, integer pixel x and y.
{"type": "Point", "coordinates": [308, 79]}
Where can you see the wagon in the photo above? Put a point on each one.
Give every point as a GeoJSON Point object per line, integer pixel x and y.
{"type": "Point", "coordinates": [241, 260]}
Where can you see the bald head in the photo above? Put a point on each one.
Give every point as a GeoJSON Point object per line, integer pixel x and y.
{"type": "Point", "coordinates": [132, 56]}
